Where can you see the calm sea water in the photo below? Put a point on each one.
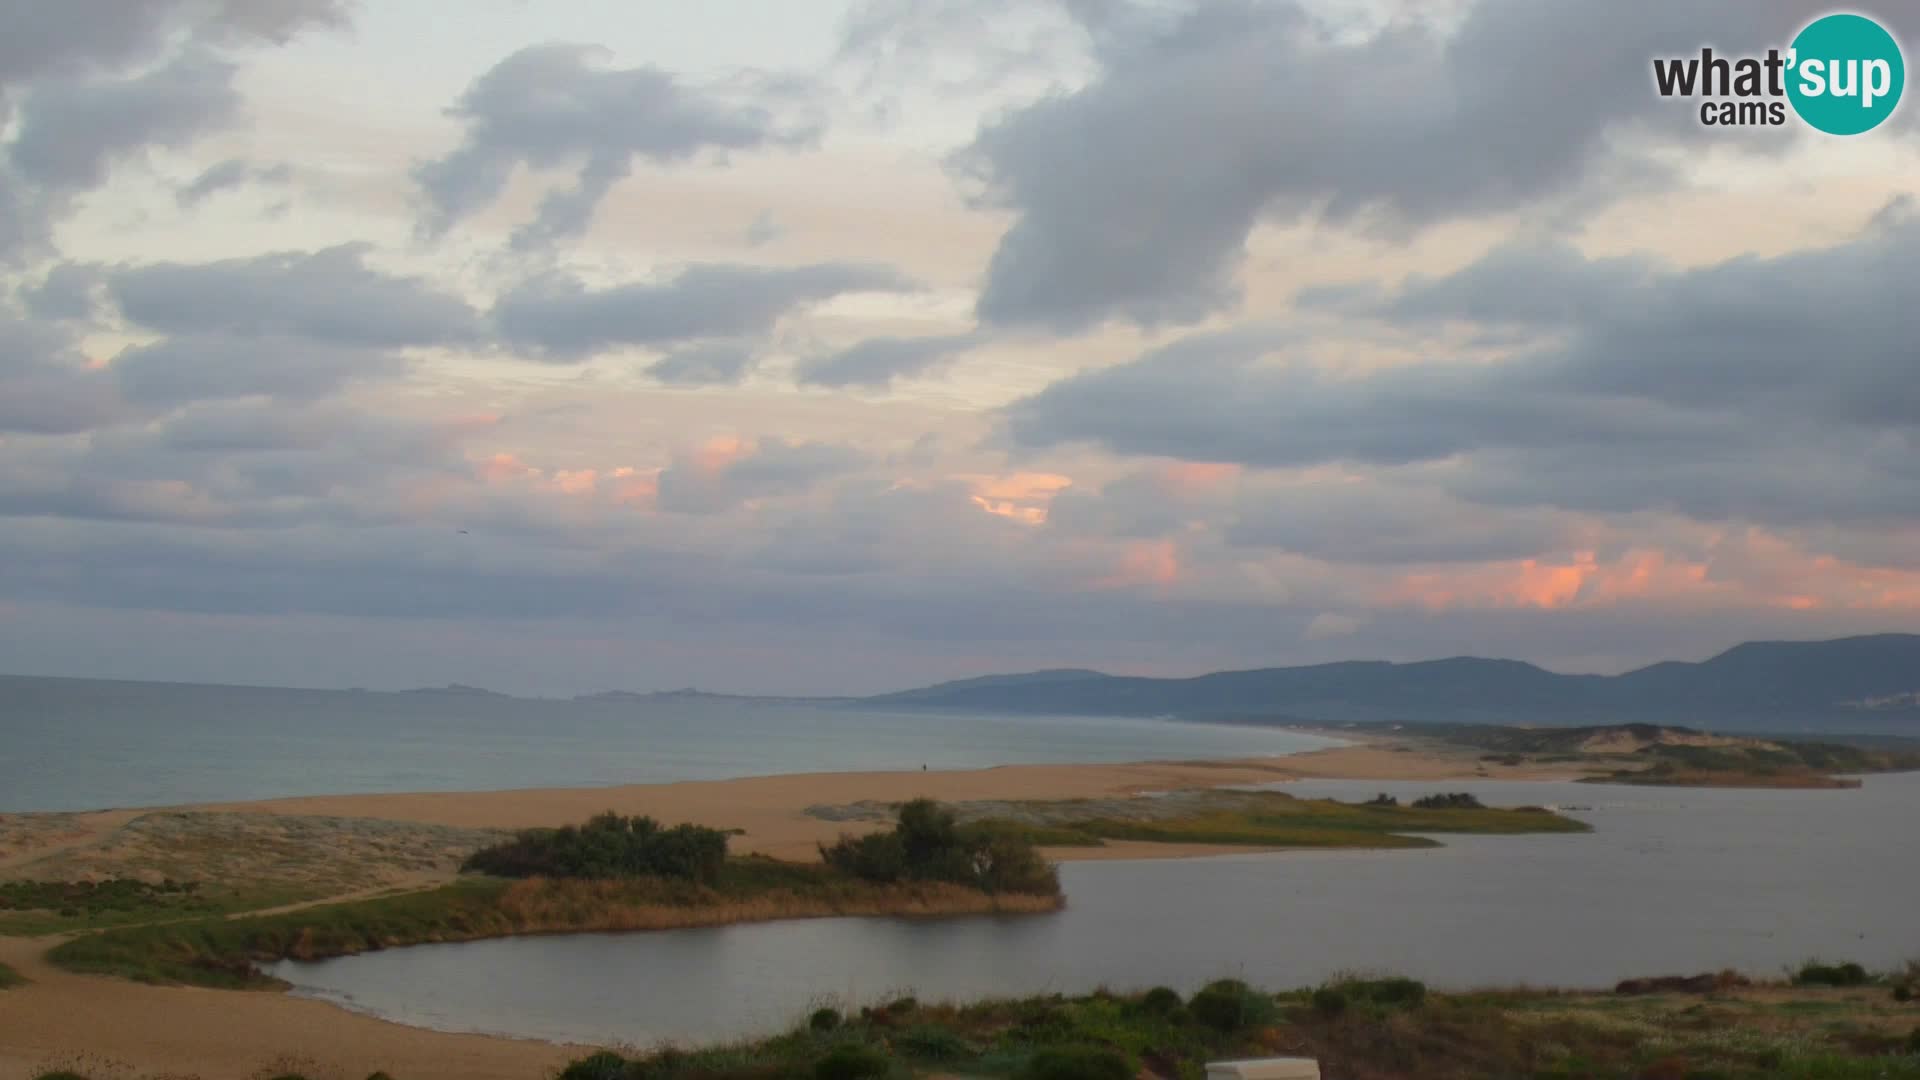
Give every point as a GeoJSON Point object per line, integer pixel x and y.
{"type": "Point", "coordinates": [82, 745]}
{"type": "Point", "coordinates": [1670, 881]}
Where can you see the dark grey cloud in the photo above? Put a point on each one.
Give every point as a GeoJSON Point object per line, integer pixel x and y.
{"type": "Point", "coordinates": [240, 465]}
{"type": "Point", "coordinates": [560, 317]}
{"type": "Point", "coordinates": [187, 368]}
{"type": "Point", "coordinates": [708, 364]}
{"type": "Point", "coordinates": [80, 37]}
{"type": "Point", "coordinates": [1776, 388]}
{"type": "Point", "coordinates": [46, 387]}
{"type": "Point", "coordinates": [329, 296]}
{"type": "Point", "coordinates": [68, 134]}
{"type": "Point", "coordinates": [774, 467]}
{"type": "Point", "coordinates": [68, 291]}
{"type": "Point", "coordinates": [1133, 196]}
{"type": "Point", "coordinates": [1370, 522]}
{"type": "Point", "coordinates": [557, 107]}
{"type": "Point", "coordinates": [228, 175]}
{"type": "Point", "coordinates": [876, 362]}
{"type": "Point", "coordinates": [88, 84]}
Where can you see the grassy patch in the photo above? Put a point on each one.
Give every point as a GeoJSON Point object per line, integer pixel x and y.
{"type": "Point", "coordinates": [1265, 819]}
{"type": "Point", "coordinates": [10, 978]}
{"type": "Point", "coordinates": [33, 908]}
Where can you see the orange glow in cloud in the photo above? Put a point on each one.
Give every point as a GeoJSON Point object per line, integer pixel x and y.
{"type": "Point", "coordinates": [624, 484]}
{"type": "Point", "coordinates": [1021, 496]}
{"type": "Point", "coordinates": [1144, 562]}
{"type": "Point", "coordinates": [576, 481]}
{"type": "Point", "coordinates": [1193, 477]}
{"type": "Point", "coordinates": [1534, 583]}
{"type": "Point", "coordinates": [505, 468]}
{"type": "Point", "coordinates": [716, 454]}
{"type": "Point", "coordinates": [633, 486]}
{"type": "Point", "coordinates": [1753, 568]}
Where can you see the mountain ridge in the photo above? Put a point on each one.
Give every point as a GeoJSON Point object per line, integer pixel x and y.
{"type": "Point", "coordinates": [1759, 685]}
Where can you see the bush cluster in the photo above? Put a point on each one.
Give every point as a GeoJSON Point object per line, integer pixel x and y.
{"type": "Point", "coordinates": [1377, 995]}
{"type": "Point", "coordinates": [929, 844]}
{"type": "Point", "coordinates": [1817, 974]}
{"type": "Point", "coordinates": [608, 846]}
{"type": "Point", "coordinates": [852, 1061]}
{"type": "Point", "coordinates": [1078, 1063]}
{"type": "Point", "coordinates": [1229, 1005]}
{"type": "Point", "coordinates": [1459, 800]}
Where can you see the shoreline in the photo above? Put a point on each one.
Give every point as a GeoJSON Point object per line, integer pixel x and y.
{"type": "Point", "coordinates": [60, 1017]}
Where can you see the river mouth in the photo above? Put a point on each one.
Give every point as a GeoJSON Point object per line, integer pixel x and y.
{"type": "Point", "coordinates": [1670, 881]}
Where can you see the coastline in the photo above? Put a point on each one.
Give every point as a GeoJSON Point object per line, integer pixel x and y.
{"type": "Point", "coordinates": [771, 811]}
{"type": "Point", "coordinates": [58, 1017]}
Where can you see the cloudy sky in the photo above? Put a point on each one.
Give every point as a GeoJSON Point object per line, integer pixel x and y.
{"type": "Point", "coordinates": [828, 346]}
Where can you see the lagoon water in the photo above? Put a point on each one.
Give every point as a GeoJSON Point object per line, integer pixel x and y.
{"type": "Point", "coordinates": [72, 744]}
{"type": "Point", "coordinates": [1670, 881]}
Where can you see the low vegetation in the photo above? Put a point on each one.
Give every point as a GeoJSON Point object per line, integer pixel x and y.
{"type": "Point", "coordinates": [40, 907]}
{"type": "Point", "coordinates": [1256, 818]}
{"type": "Point", "coordinates": [615, 874]}
{"type": "Point", "coordinates": [10, 978]}
{"type": "Point", "coordinates": [1784, 764]}
{"type": "Point", "coordinates": [1357, 1028]}
{"type": "Point", "coordinates": [1674, 756]}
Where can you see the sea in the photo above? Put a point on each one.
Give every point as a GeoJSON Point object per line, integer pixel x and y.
{"type": "Point", "coordinates": [79, 744]}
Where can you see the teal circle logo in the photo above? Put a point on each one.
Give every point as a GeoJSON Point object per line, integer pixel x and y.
{"type": "Point", "coordinates": [1846, 74]}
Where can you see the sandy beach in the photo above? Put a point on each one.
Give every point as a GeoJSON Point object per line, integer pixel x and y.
{"type": "Point", "coordinates": [129, 1030]}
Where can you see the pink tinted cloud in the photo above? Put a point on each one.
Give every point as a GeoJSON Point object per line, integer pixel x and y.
{"type": "Point", "coordinates": [1021, 496]}
{"type": "Point", "coordinates": [1747, 568]}
{"type": "Point", "coordinates": [1144, 563]}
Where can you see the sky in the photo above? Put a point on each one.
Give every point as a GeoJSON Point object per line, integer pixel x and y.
{"type": "Point", "coordinates": [794, 346]}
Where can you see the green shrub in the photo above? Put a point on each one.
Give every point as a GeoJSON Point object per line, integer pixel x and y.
{"type": "Point", "coordinates": [930, 1042]}
{"type": "Point", "coordinates": [852, 1061]}
{"type": "Point", "coordinates": [1229, 1005]}
{"type": "Point", "coordinates": [824, 1019]}
{"type": "Point", "coordinates": [605, 1065]}
{"type": "Point", "coordinates": [1329, 1001]}
{"type": "Point", "coordinates": [1913, 1041]}
{"type": "Point", "coordinates": [1817, 974]}
{"type": "Point", "coordinates": [1161, 1001]}
{"type": "Point", "coordinates": [608, 846]}
{"type": "Point", "coordinates": [1903, 993]}
{"type": "Point", "coordinates": [1078, 1063]}
{"type": "Point", "coordinates": [928, 844]}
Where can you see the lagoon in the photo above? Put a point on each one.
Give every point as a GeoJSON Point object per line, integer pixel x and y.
{"type": "Point", "coordinates": [1671, 881]}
